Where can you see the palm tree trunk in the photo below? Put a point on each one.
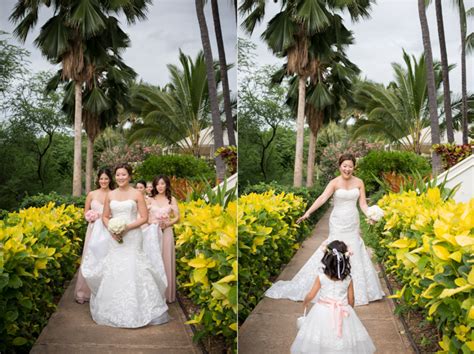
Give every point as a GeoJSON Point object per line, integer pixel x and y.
{"type": "Point", "coordinates": [462, 21]}
{"type": "Point", "coordinates": [434, 123]}
{"type": "Point", "coordinates": [224, 77]}
{"type": "Point", "coordinates": [298, 172]}
{"type": "Point", "coordinates": [444, 64]}
{"type": "Point", "coordinates": [89, 163]}
{"type": "Point", "coordinates": [211, 82]}
{"type": "Point", "coordinates": [77, 168]}
{"type": "Point", "coordinates": [311, 159]}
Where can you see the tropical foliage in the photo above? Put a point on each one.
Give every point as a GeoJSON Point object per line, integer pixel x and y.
{"type": "Point", "coordinates": [427, 242]}
{"type": "Point", "coordinates": [39, 251]}
{"type": "Point", "coordinates": [207, 267]}
{"type": "Point", "coordinates": [452, 154]}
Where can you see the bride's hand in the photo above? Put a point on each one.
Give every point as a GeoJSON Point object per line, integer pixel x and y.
{"type": "Point", "coordinates": [304, 217]}
{"type": "Point", "coordinates": [117, 237]}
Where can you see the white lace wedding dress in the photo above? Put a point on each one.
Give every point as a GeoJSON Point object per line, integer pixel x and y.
{"type": "Point", "coordinates": [127, 287]}
{"type": "Point", "coordinates": [343, 226]}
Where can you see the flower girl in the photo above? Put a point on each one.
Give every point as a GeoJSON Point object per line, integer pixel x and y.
{"type": "Point", "coordinates": [332, 325]}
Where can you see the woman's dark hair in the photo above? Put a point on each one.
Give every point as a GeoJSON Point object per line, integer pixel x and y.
{"type": "Point", "coordinates": [106, 171]}
{"type": "Point", "coordinates": [125, 166]}
{"type": "Point", "coordinates": [336, 261]}
{"type": "Point", "coordinates": [166, 179]}
{"type": "Point", "coordinates": [346, 157]}
{"type": "Point", "coordinates": [142, 181]}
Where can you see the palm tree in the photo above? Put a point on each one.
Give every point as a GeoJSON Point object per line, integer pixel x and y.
{"type": "Point", "coordinates": [212, 87]}
{"type": "Point", "coordinates": [224, 77]}
{"type": "Point", "coordinates": [399, 112]}
{"type": "Point", "coordinates": [444, 65]}
{"type": "Point", "coordinates": [464, 42]}
{"type": "Point", "coordinates": [179, 112]}
{"type": "Point", "coordinates": [62, 40]}
{"type": "Point", "coordinates": [288, 34]}
{"type": "Point", "coordinates": [432, 104]}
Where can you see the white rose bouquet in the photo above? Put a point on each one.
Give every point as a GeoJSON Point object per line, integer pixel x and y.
{"type": "Point", "coordinates": [117, 226]}
{"type": "Point", "coordinates": [375, 213]}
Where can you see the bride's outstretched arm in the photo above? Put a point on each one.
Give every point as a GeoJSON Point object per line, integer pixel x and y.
{"type": "Point", "coordinates": [328, 192]}
{"type": "Point", "coordinates": [363, 200]}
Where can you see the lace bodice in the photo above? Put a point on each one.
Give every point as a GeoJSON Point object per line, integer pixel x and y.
{"type": "Point", "coordinates": [334, 289]}
{"type": "Point", "coordinates": [126, 209]}
{"type": "Point", "coordinates": [97, 206]}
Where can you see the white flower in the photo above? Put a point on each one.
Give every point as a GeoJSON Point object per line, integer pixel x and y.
{"type": "Point", "coordinates": [375, 213]}
{"type": "Point", "coordinates": [117, 225]}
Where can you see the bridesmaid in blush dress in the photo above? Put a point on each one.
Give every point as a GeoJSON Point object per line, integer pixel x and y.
{"type": "Point", "coordinates": [164, 211]}
{"type": "Point", "coordinates": [93, 209]}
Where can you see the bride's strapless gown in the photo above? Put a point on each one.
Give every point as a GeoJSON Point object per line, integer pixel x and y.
{"type": "Point", "coordinates": [343, 226]}
{"type": "Point", "coordinates": [127, 289]}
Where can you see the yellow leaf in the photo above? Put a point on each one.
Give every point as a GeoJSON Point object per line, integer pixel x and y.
{"type": "Point", "coordinates": [464, 240]}
{"type": "Point", "coordinates": [227, 279]}
{"type": "Point", "coordinates": [398, 294]}
{"type": "Point", "coordinates": [460, 281]}
{"type": "Point", "coordinates": [470, 277]}
{"type": "Point", "coordinates": [451, 292]}
{"type": "Point", "coordinates": [198, 263]}
{"type": "Point", "coordinates": [434, 307]}
{"type": "Point", "coordinates": [233, 326]}
{"type": "Point", "coordinates": [41, 264]}
{"type": "Point", "coordinates": [200, 276]}
{"type": "Point", "coordinates": [470, 345]}
{"type": "Point", "coordinates": [457, 256]}
{"type": "Point", "coordinates": [471, 312]}
{"type": "Point", "coordinates": [403, 243]}
{"type": "Point", "coordinates": [441, 252]}
{"type": "Point", "coordinates": [197, 319]}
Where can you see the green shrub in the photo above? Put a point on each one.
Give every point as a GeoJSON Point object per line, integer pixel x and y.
{"type": "Point", "coordinates": [41, 199]}
{"type": "Point", "coordinates": [39, 251]}
{"type": "Point", "coordinates": [185, 166]}
{"type": "Point", "coordinates": [371, 167]}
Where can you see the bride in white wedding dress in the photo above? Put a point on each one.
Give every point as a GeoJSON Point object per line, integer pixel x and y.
{"type": "Point", "coordinates": [343, 226]}
{"type": "Point", "coordinates": [127, 288]}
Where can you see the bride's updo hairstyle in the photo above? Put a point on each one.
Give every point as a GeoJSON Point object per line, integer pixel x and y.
{"type": "Point", "coordinates": [125, 166]}
{"type": "Point", "coordinates": [347, 157]}
{"type": "Point", "coordinates": [336, 260]}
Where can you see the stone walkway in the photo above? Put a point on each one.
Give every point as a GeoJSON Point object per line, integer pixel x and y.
{"type": "Point", "coordinates": [271, 327]}
{"type": "Point", "coordinates": [71, 330]}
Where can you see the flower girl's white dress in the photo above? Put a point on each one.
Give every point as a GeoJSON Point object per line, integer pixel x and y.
{"type": "Point", "coordinates": [343, 226]}
{"type": "Point", "coordinates": [332, 326]}
{"type": "Point", "coordinates": [128, 287]}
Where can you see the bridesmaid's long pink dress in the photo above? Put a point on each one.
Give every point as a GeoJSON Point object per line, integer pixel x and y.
{"type": "Point", "coordinates": [167, 250]}
{"type": "Point", "coordinates": [82, 292]}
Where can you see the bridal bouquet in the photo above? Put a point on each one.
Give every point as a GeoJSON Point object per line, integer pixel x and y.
{"type": "Point", "coordinates": [117, 226]}
{"type": "Point", "coordinates": [375, 213]}
{"type": "Point", "coordinates": [92, 216]}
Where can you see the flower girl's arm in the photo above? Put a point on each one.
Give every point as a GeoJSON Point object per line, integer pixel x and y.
{"type": "Point", "coordinates": [350, 294]}
{"type": "Point", "coordinates": [312, 293]}
{"type": "Point", "coordinates": [328, 192]}
{"type": "Point", "coordinates": [142, 212]}
{"type": "Point", "coordinates": [363, 200]}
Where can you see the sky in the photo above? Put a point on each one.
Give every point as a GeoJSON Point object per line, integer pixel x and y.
{"type": "Point", "coordinates": [394, 24]}
{"type": "Point", "coordinates": [171, 25]}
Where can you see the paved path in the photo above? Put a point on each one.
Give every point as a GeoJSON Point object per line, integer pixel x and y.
{"type": "Point", "coordinates": [71, 330]}
{"type": "Point", "coordinates": [271, 327]}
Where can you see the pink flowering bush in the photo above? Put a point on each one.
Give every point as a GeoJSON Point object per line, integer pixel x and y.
{"type": "Point", "coordinates": [133, 154]}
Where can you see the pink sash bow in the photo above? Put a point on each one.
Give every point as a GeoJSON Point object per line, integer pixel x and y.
{"type": "Point", "coordinates": [339, 311]}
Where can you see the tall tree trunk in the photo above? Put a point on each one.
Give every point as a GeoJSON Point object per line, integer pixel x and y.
{"type": "Point", "coordinates": [444, 64]}
{"type": "Point", "coordinates": [89, 163]}
{"type": "Point", "coordinates": [311, 159]}
{"type": "Point", "coordinates": [462, 20]}
{"type": "Point", "coordinates": [434, 122]}
{"type": "Point", "coordinates": [211, 82]}
{"type": "Point", "coordinates": [77, 168]}
{"type": "Point", "coordinates": [224, 77]}
{"type": "Point", "coordinates": [298, 172]}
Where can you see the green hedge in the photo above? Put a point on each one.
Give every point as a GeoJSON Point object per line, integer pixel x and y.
{"type": "Point", "coordinates": [41, 199]}
{"type": "Point", "coordinates": [376, 162]}
{"type": "Point", "coordinates": [39, 250]}
{"type": "Point", "coordinates": [184, 166]}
